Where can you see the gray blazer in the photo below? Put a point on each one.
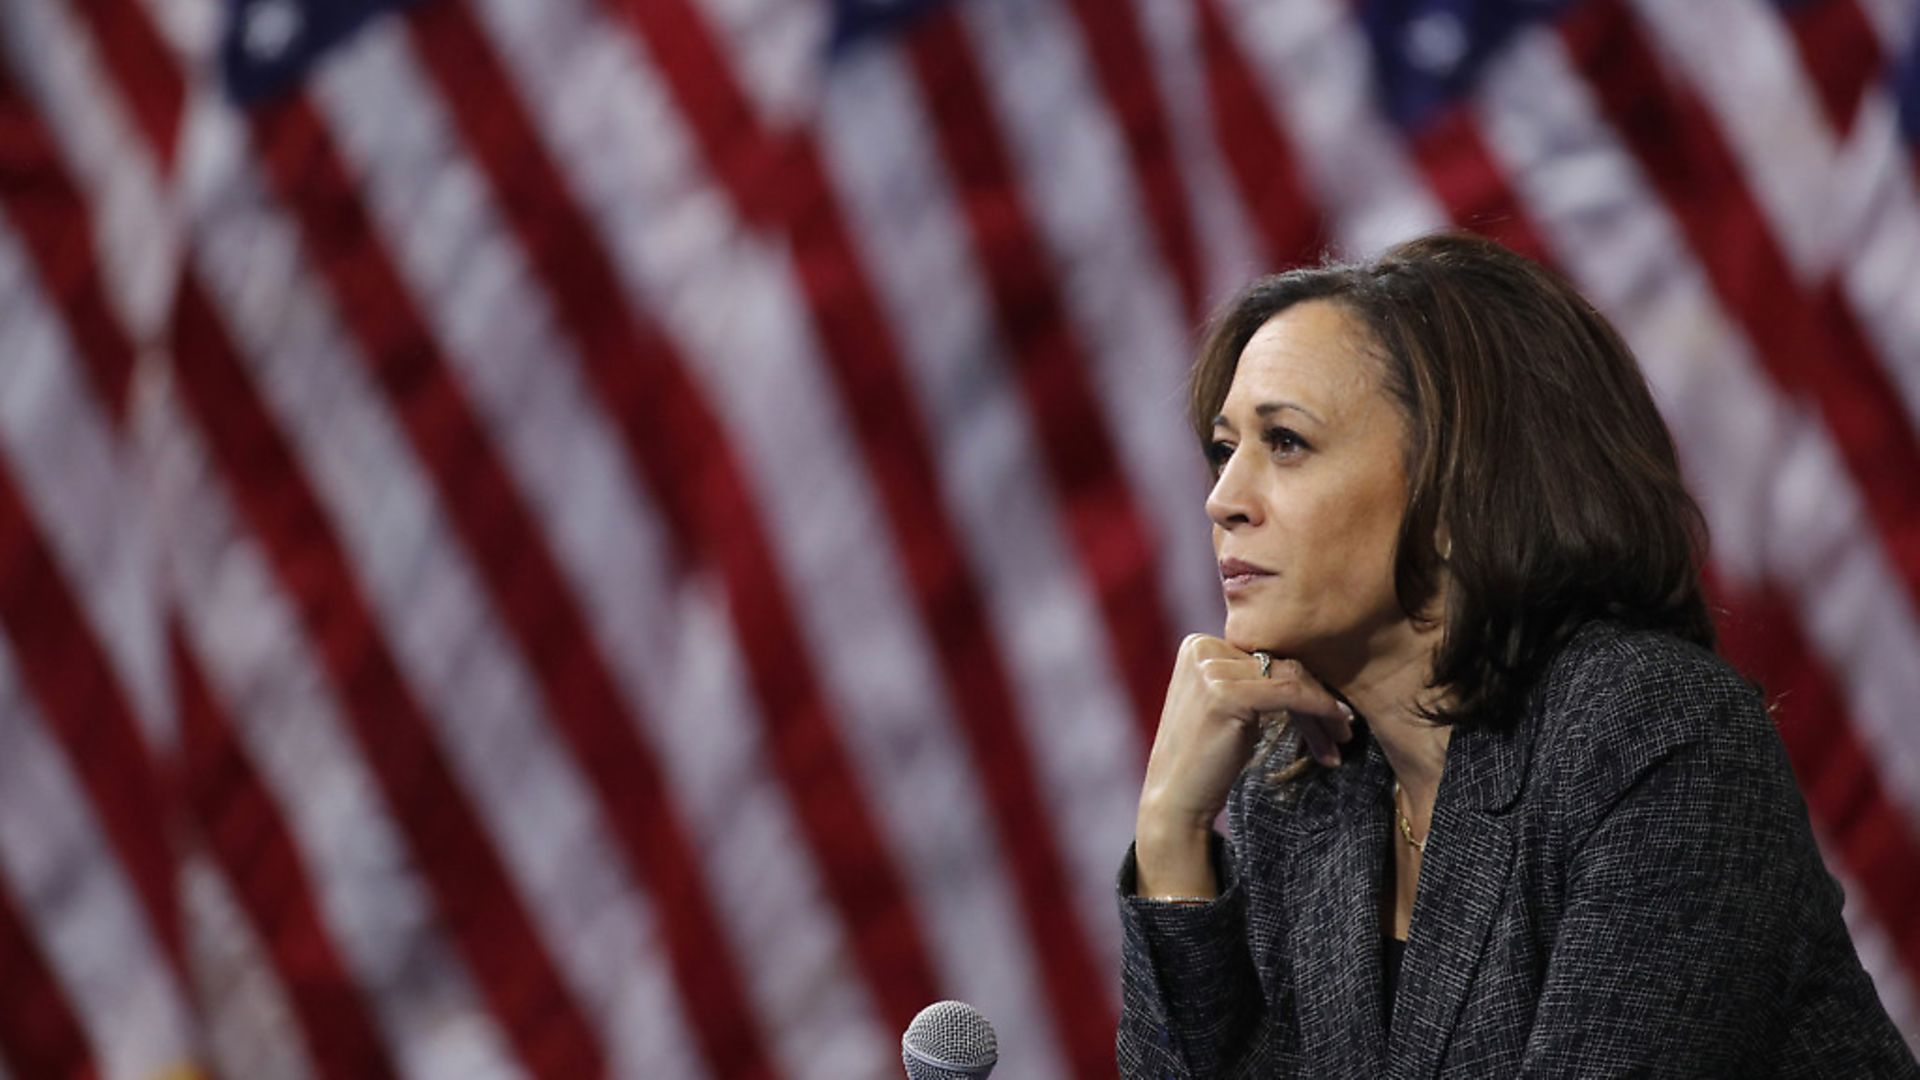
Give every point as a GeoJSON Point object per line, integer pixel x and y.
{"type": "Point", "coordinates": [1625, 884]}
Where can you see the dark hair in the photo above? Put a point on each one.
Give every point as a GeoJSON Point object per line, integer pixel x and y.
{"type": "Point", "coordinates": [1531, 435]}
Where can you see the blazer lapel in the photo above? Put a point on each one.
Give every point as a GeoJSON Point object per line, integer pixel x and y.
{"type": "Point", "coordinates": [1334, 877]}
{"type": "Point", "coordinates": [1462, 878]}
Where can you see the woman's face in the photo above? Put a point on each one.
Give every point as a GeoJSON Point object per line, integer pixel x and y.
{"type": "Point", "coordinates": [1310, 489]}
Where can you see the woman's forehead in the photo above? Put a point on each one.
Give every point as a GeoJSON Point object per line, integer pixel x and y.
{"type": "Point", "coordinates": [1314, 356]}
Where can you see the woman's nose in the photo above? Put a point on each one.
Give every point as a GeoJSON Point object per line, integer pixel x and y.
{"type": "Point", "coordinates": [1232, 501]}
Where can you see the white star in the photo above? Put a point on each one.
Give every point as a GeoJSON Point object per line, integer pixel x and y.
{"type": "Point", "coordinates": [269, 28]}
{"type": "Point", "coordinates": [1436, 42]}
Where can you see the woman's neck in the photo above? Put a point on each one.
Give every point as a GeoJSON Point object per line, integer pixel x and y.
{"type": "Point", "coordinates": [1416, 750]}
{"type": "Point", "coordinates": [1390, 691]}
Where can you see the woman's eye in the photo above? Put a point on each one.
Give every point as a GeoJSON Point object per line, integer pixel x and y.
{"type": "Point", "coordinates": [1217, 454]}
{"type": "Point", "coordinates": [1283, 440]}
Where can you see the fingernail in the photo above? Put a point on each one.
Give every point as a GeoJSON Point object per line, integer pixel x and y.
{"type": "Point", "coordinates": [1346, 710]}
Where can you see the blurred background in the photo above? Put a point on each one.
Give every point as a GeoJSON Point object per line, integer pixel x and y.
{"type": "Point", "coordinates": [645, 538]}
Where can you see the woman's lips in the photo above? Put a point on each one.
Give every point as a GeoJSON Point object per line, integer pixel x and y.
{"type": "Point", "coordinates": [1236, 575]}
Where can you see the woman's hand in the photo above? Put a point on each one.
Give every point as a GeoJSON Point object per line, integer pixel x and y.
{"type": "Point", "coordinates": [1216, 705]}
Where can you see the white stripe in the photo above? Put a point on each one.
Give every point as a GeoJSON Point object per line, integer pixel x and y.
{"type": "Point", "coordinates": [192, 29]}
{"type": "Point", "coordinates": [1122, 301]}
{"type": "Point", "coordinates": [366, 885]}
{"type": "Point", "coordinates": [876, 140]}
{"type": "Point", "coordinates": [775, 49]}
{"type": "Point", "coordinates": [1054, 643]}
{"type": "Point", "coordinates": [676, 653]}
{"type": "Point", "coordinates": [1780, 504]}
{"type": "Point", "coordinates": [1318, 71]}
{"type": "Point", "coordinates": [732, 303]}
{"type": "Point", "coordinates": [1229, 253]}
{"type": "Point", "coordinates": [476, 691]}
{"type": "Point", "coordinates": [250, 1023]}
{"type": "Point", "coordinates": [1878, 207]}
{"type": "Point", "coordinates": [667, 642]}
{"type": "Point", "coordinates": [877, 667]}
{"type": "Point", "coordinates": [1893, 20]}
{"type": "Point", "coordinates": [1832, 205]}
{"type": "Point", "coordinates": [77, 903]}
{"type": "Point", "coordinates": [137, 235]}
{"type": "Point", "coordinates": [86, 494]}
{"type": "Point", "coordinates": [1123, 307]}
{"type": "Point", "coordinates": [1743, 63]}
{"type": "Point", "coordinates": [1880, 955]}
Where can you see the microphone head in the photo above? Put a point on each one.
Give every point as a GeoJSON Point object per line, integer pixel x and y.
{"type": "Point", "coordinates": [949, 1040]}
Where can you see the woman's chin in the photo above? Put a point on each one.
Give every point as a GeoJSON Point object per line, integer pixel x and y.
{"type": "Point", "coordinates": [1248, 635]}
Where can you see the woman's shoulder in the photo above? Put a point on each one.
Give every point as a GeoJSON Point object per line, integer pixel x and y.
{"type": "Point", "coordinates": [1617, 698]}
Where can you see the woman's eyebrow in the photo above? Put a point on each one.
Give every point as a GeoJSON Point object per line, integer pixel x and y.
{"type": "Point", "coordinates": [1267, 409]}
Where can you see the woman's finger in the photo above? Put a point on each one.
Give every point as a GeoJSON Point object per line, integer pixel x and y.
{"type": "Point", "coordinates": [1319, 745]}
{"type": "Point", "coordinates": [1289, 686]}
{"type": "Point", "coordinates": [1344, 722]}
{"type": "Point", "coordinates": [1329, 730]}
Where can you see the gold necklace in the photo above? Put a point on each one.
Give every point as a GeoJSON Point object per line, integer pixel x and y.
{"type": "Point", "coordinates": [1406, 827]}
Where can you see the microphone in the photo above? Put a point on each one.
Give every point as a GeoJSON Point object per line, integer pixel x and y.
{"type": "Point", "coordinates": [949, 1040]}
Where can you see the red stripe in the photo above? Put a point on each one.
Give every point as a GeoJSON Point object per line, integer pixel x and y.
{"type": "Point", "coordinates": [1841, 53]}
{"type": "Point", "coordinates": [475, 895]}
{"type": "Point", "coordinates": [39, 1034]}
{"type": "Point", "coordinates": [1112, 540]}
{"type": "Point", "coordinates": [1759, 632]}
{"type": "Point", "coordinates": [522, 576]}
{"type": "Point", "coordinates": [865, 362]}
{"type": "Point", "coordinates": [1261, 160]}
{"type": "Point", "coordinates": [1459, 167]}
{"type": "Point", "coordinates": [48, 213]}
{"type": "Point", "coordinates": [79, 694]}
{"type": "Point", "coordinates": [1111, 537]}
{"type": "Point", "coordinates": [1805, 337]}
{"type": "Point", "coordinates": [517, 978]}
{"type": "Point", "coordinates": [680, 448]}
{"type": "Point", "coordinates": [151, 87]}
{"type": "Point", "coordinates": [243, 828]}
{"type": "Point", "coordinates": [1125, 71]}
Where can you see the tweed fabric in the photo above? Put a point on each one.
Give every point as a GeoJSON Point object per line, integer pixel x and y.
{"type": "Point", "coordinates": [1623, 883]}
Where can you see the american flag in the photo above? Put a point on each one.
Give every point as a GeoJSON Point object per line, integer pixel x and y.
{"type": "Point", "coordinates": [645, 538]}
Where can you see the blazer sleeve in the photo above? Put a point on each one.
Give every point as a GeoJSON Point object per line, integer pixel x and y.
{"type": "Point", "coordinates": [1192, 1001]}
{"type": "Point", "coordinates": [1696, 906]}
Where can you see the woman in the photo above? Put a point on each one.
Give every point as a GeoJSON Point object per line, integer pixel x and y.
{"type": "Point", "coordinates": [1466, 659]}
